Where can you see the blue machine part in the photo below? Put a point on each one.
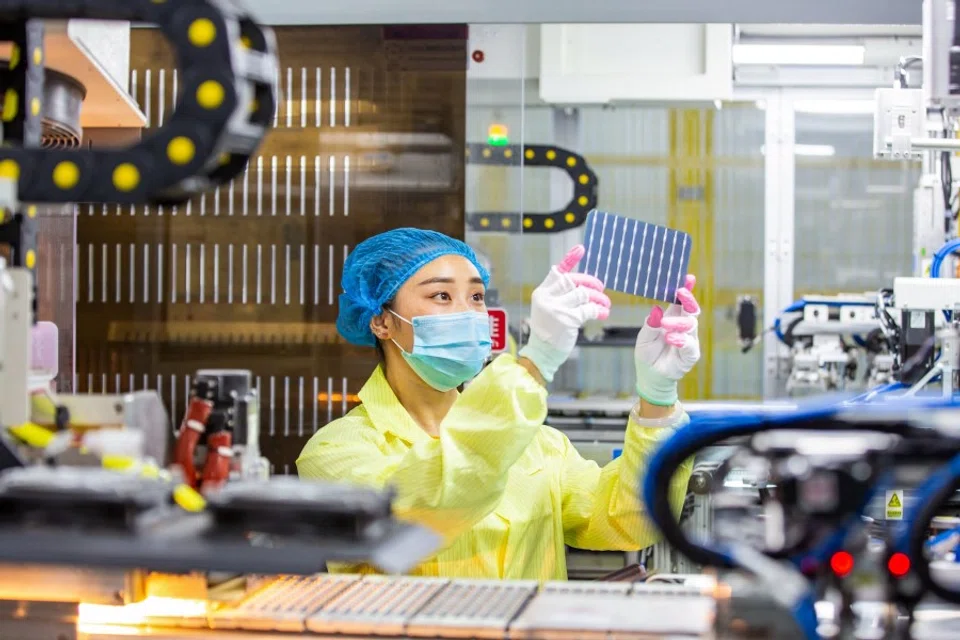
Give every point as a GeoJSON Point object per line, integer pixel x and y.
{"type": "Point", "coordinates": [617, 453]}
{"type": "Point", "coordinates": [635, 257]}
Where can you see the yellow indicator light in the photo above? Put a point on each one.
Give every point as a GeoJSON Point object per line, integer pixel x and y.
{"type": "Point", "coordinates": [210, 94]}
{"type": "Point", "coordinates": [202, 32]}
{"type": "Point", "coordinates": [66, 175]}
{"type": "Point", "coordinates": [126, 177]}
{"type": "Point", "coordinates": [181, 150]}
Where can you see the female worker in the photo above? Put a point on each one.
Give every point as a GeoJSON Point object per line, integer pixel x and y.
{"type": "Point", "coordinates": [479, 467]}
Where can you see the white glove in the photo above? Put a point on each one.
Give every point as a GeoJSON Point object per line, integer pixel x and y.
{"type": "Point", "coordinates": [668, 348]}
{"type": "Point", "coordinates": [560, 306]}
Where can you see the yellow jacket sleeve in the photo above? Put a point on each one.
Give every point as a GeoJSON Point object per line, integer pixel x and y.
{"type": "Point", "coordinates": [448, 483]}
{"type": "Point", "coordinates": [602, 509]}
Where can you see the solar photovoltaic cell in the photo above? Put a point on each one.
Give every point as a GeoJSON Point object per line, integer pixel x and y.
{"type": "Point", "coordinates": [635, 257]}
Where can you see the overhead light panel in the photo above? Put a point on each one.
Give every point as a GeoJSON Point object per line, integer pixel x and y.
{"type": "Point", "coordinates": [799, 54]}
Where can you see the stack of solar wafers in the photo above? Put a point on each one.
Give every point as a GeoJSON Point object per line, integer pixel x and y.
{"type": "Point", "coordinates": [377, 606]}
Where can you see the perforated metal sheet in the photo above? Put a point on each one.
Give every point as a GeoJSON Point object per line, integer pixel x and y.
{"type": "Point", "coordinates": [472, 609]}
{"type": "Point", "coordinates": [283, 605]}
{"type": "Point", "coordinates": [376, 606]}
{"type": "Point", "coordinates": [636, 257]}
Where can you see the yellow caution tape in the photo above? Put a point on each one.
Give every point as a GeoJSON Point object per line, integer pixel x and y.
{"type": "Point", "coordinates": [189, 499]}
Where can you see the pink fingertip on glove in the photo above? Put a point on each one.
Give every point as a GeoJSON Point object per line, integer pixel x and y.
{"type": "Point", "coordinates": [572, 259]}
{"type": "Point", "coordinates": [676, 340]}
{"type": "Point", "coordinates": [685, 296]}
{"type": "Point", "coordinates": [655, 319]}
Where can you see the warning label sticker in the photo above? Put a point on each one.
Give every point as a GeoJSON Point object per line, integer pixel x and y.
{"type": "Point", "coordinates": [894, 505]}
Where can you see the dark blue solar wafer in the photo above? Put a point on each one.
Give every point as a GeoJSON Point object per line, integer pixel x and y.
{"type": "Point", "coordinates": [635, 257]}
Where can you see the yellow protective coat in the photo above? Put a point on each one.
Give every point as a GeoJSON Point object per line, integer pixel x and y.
{"type": "Point", "coordinates": [505, 491]}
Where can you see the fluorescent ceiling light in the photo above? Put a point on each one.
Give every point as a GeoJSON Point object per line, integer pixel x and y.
{"type": "Point", "coordinates": [839, 107]}
{"type": "Point", "coordinates": [810, 150]}
{"type": "Point", "coordinates": [799, 54]}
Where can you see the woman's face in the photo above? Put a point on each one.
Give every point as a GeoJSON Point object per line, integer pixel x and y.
{"type": "Point", "coordinates": [449, 284]}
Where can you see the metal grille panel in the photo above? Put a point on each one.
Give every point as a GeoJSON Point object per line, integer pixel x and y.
{"type": "Point", "coordinates": [475, 609]}
{"type": "Point", "coordinates": [376, 605]}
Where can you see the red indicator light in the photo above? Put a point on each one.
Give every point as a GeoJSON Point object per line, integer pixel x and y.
{"type": "Point", "coordinates": [841, 563]}
{"type": "Point", "coordinates": [899, 565]}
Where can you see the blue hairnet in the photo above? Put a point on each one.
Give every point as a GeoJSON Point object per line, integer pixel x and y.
{"type": "Point", "coordinates": [379, 266]}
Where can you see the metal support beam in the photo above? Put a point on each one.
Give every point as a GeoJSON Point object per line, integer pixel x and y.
{"type": "Point", "coordinates": [298, 12]}
{"type": "Point", "coordinates": [778, 231]}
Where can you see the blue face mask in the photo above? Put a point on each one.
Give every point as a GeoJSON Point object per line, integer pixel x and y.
{"type": "Point", "coordinates": [448, 349]}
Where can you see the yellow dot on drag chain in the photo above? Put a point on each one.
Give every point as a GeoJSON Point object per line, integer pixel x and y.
{"type": "Point", "coordinates": [225, 158]}
{"type": "Point", "coordinates": [181, 150]}
{"type": "Point", "coordinates": [35, 107]}
{"type": "Point", "coordinates": [508, 153]}
{"type": "Point", "coordinates": [548, 223]}
{"type": "Point", "coordinates": [245, 42]}
{"type": "Point", "coordinates": [571, 161]}
{"type": "Point", "coordinates": [202, 32]}
{"type": "Point", "coordinates": [14, 57]}
{"type": "Point", "coordinates": [527, 223]}
{"type": "Point", "coordinates": [505, 223]}
{"type": "Point", "coordinates": [487, 153]}
{"type": "Point", "coordinates": [126, 177]}
{"type": "Point", "coordinates": [32, 211]}
{"type": "Point", "coordinates": [210, 94]}
{"type": "Point", "coordinates": [37, 55]}
{"type": "Point", "coordinates": [31, 260]}
{"type": "Point", "coordinates": [583, 200]}
{"type": "Point", "coordinates": [66, 175]}
{"type": "Point", "coordinates": [484, 222]}
{"type": "Point", "coordinates": [11, 105]}
{"type": "Point", "coordinates": [9, 169]}
{"type": "Point", "coordinates": [551, 155]}
{"type": "Point", "coordinates": [584, 179]}
{"type": "Point", "coordinates": [529, 154]}
{"type": "Point", "coordinates": [569, 218]}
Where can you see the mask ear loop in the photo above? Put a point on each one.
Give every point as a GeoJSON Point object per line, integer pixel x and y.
{"type": "Point", "coordinates": [402, 350]}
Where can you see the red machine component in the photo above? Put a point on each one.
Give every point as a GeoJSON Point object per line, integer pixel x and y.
{"type": "Point", "coordinates": [191, 429]}
{"type": "Point", "coordinates": [216, 470]}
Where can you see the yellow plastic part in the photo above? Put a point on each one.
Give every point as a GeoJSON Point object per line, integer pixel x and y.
{"type": "Point", "coordinates": [202, 32]}
{"type": "Point", "coordinates": [35, 106]}
{"type": "Point", "coordinates": [126, 177]}
{"type": "Point", "coordinates": [117, 463]}
{"type": "Point", "coordinates": [11, 105]}
{"type": "Point", "coordinates": [66, 175]}
{"type": "Point", "coordinates": [14, 57]}
{"type": "Point", "coordinates": [210, 94]}
{"type": "Point", "coordinates": [9, 169]}
{"type": "Point", "coordinates": [181, 150]}
{"type": "Point", "coordinates": [31, 259]}
{"type": "Point", "coordinates": [32, 435]}
{"type": "Point", "coordinates": [188, 499]}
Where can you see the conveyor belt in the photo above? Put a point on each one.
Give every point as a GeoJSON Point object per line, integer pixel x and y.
{"type": "Point", "coordinates": [472, 609]}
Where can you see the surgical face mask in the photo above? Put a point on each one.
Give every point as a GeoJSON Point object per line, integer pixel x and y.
{"type": "Point", "coordinates": [448, 349]}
